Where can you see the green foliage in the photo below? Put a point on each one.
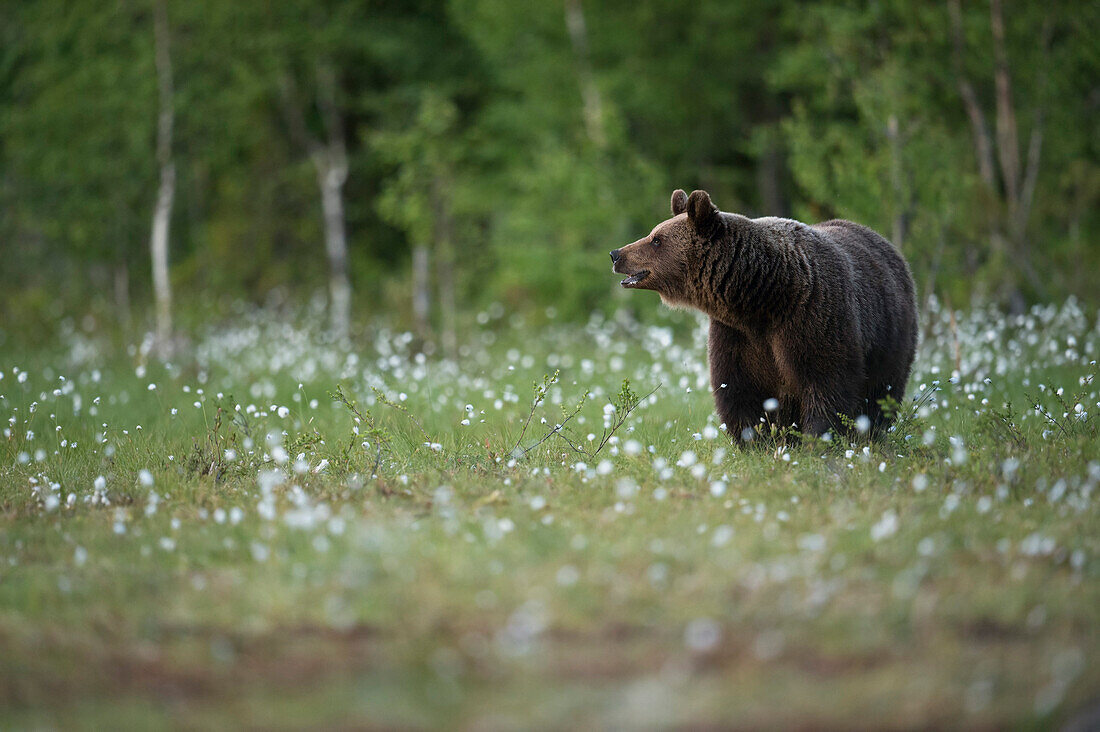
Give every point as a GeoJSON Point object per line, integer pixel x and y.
{"type": "Point", "coordinates": [518, 152]}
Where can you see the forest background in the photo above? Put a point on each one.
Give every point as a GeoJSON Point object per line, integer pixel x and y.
{"type": "Point", "coordinates": [424, 161]}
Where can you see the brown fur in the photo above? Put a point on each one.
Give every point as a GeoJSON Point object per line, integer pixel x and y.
{"type": "Point", "coordinates": [823, 318]}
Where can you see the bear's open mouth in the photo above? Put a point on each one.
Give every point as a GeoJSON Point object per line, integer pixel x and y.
{"type": "Point", "coordinates": [635, 278]}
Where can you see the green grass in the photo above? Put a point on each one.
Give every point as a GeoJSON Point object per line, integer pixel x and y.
{"type": "Point", "coordinates": [944, 575]}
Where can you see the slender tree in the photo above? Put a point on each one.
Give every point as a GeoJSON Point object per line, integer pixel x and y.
{"type": "Point", "coordinates": [166, 191]}
{"type": "Point", "coordinates": [420, 200]}
{"type": "Point", "coordinates": [1006, 180]}
{"type": "Point", "coordinates": [590, 91]}
{"type": "Point", "coordinates": [329, 157]}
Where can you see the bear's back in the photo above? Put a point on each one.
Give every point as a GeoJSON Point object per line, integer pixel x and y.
{"type": "Point", "coordinates": [876, 261]}
{"type": "Point", "coordinates": [883, 286]}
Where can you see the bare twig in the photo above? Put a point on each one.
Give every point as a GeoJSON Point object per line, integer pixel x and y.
{"type": "Point", "coordinates": [540, 394]}
{"type": "Point", "coordinates": [548, 435]}
{"type": "Point", "coordinates": [631, 402]}
{"type": "Point", "coordinates": [626, 403]}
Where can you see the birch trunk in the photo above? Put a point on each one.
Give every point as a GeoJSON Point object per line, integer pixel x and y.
{"type": "Point", "coordinates": [331, 161]}
{"type": "Point", "coordinates": [445, 264]}
{"type": "Point", "coordinates": [769, 169]}
{"type": "Point", "coordinates": [900, 227]}
{"type": "Point", "coordinates": [1005, 183]}
{"type": "Point", "coordinates": [331, 178]}
{"type": "Point", "coordinates": [166, 191]}
{"type": "Point", "coordinates": [422, 300]}
{"type": "Point", "coordinates": [122, 294]}
{"type": "Point", "coordinates": [590, 92]}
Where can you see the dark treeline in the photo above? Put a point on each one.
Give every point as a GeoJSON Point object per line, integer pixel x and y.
{"type": "Point", "coordinates": [424, 159]}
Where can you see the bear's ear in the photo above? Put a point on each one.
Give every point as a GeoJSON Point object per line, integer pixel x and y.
{"type": "Point", "coordinates": [679, 202]}
{"type": "Point", "coordinates": [702, 213]}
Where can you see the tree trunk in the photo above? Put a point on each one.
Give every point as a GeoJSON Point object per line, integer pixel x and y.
{"type": "Point", "coordinates": [331, 179]}
{"type": "Point", "coordinates": [1007, 137]}
{"type": "Point", "coordinates": [900, 228]}
{"type": "Point", "coordinates": [590, 92]}
{"type": "Point", "coordinates": [122, 294]}
{"type": "Point", "coordinates": [769, 171]}
{"type": "Point", "coordinates": [332, 172]}
{"type": "Point", "coordinates": [330, 161]}
{"type": "Point", "coordinates": [422, 299]}
{"type": "Point", "coordinates": [166, 192]}
{"type": "Point", "coordinates": [445, 264]}
{"type": "Point", "coordinates": [1013, 189]}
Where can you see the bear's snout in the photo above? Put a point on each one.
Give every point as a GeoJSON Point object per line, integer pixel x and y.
{"type": "Point", "coordinates": [615, 254]}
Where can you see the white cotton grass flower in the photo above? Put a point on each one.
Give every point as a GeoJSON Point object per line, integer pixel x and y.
{"type": "Point", "coordinates": [702, 635]}
{"type": "Point", "coordinates": [687, 459]}
{"type": "Point", "coordinates": [145, 478]}
{"type": "Point", "coordinates": [886, 526]}
{"type": "Point", "coordinates": [811, 543]}
{"type": "Point", "coordinates": [721, 536]}
{"type": "Point", "coordinates": [626, 488]}
{"type": "Point", "coordinates": [260, 552]}
{"type": "Point", "coordinates": [771, 404]}
{"type": "Point", "coordinates": [567, 575]}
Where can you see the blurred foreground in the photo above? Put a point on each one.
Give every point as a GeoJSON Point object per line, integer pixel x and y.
{"type": "Point", "coordinates": [222, 540]}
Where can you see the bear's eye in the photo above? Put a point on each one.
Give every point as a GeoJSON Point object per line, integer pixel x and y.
{"type": "Point", "coordinates": [656, 241]}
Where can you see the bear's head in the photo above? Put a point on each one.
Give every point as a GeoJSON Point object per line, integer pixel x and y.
{"type": "Point", "coordinates": [667, 259]}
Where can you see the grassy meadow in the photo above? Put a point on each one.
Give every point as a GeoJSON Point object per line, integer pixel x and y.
{"type": "Point", "coordinates": [275, 530]}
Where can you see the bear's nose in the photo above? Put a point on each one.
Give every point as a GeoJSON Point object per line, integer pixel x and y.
{"type": "Point", "coordinates": [615, 255]}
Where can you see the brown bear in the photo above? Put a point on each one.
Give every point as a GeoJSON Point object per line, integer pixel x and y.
{"type": "Point", "coordinates": [807, 323]}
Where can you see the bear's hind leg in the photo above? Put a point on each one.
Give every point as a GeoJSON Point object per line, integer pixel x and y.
{"type": "Point", "coordinates": [823, 409]}
{"type": "Point", "coordinates": [891, 390]}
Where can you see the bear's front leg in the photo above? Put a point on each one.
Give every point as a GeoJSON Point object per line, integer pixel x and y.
{"type": "Point", "coordinates": [826, 377]}
{"type": "Point", "coordinates": [738, 398]}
